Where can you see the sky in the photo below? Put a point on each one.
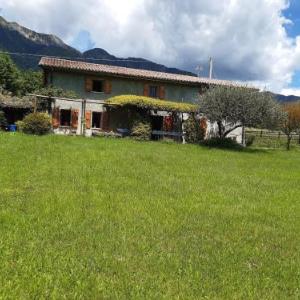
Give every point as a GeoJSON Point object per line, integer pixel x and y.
{"type": "Point", "coordinates": [257, 41]}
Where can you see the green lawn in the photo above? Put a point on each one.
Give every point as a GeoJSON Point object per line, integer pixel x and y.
{"type": "Point", "coordinates": [116, 219]}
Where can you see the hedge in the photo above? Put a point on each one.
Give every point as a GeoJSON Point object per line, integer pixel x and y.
{"type": "Point", "coordinates": [151, 103]}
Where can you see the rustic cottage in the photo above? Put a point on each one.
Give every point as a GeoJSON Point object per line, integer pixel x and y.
{"type": "Point", "coordinates": [96, 84]}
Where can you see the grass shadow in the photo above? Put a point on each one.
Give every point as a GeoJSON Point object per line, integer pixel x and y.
{"type": "Point", "coordinates": [229, 145]}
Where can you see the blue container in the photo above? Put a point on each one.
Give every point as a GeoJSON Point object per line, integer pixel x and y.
{"type": "Point", "coordinates": [12, 128]}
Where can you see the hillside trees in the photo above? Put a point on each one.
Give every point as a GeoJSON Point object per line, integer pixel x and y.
{"type": "Point", "coordinates": [233, 107]}
{"type": "Point", "coordinates": [10, 78]}
{"type": "Point", "coordinates": [31, 81]}
{"type": "Point", "coordinates": [16, 81]}
{"type": "Point", "coordinates": [22, 82]}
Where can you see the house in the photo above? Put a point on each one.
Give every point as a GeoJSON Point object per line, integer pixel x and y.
{"type": "Point", "coordinates": [95, 84]}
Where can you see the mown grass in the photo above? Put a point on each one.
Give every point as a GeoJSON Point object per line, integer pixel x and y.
{"type": "Point", "coordinates": [117, 219]}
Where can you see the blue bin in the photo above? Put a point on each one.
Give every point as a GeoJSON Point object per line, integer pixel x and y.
{"type": "Point", "coordinates": [12, 128]}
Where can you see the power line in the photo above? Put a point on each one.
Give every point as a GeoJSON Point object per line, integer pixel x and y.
{"type": "Point", "coordinates": [81, 58]}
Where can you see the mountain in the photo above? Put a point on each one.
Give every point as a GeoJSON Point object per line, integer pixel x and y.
{"type": "Point", "coordinates": [15, 38]}
{"type": "Point", "coordinates": [97, 54]}
{"type": "Point", "coordinates": [286, 99]}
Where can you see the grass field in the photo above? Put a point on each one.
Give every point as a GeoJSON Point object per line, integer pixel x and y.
{"type": "Point", "coordinates": [116, 219]}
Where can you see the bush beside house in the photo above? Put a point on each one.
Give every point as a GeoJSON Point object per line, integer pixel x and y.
{"type": "Point", "coordinates": [141, 130]}
{"type": "Point", "coordinates": [3, 121]}
{"type": "Point", "coordinates": [36, 123]}
{"type": "Point", "coordinates": [195, 130]}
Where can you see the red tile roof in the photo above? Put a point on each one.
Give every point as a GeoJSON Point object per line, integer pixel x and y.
{"type": "Point", "coordinates": [63, 64]}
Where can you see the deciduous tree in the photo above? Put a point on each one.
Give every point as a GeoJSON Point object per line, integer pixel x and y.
{"type": "Point", "coordinates": [10, 78]}
{"type": "Point", "coordinates": [31, 81]}
{"type": "Point", "coordinates": [291, 123]}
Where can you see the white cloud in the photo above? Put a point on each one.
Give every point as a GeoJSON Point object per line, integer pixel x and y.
{"type": "Point", "coordinates": [291, 91]}
{"type": "Point", "coordinates": [247, 39]}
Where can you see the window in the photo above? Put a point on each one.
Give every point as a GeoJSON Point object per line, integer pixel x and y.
{"type": "Point", "coordinates": [153, 91]}
{"type": "Point", "coordinates": [96, 120]}
{"type": "Point", "coordinates": [65, 117]}
{"type": "Point", "coordinates": [98, 86]}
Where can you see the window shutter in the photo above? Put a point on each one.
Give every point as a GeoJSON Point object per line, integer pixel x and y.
{"type": "Point", "coordinates": [107, 87]}
{"type": "Point", "coordinates": [74, 118]}
{"type": "Point", "coordinates": [88, 84]}
{"type": "Point", "coordinates": [162, 92]}
{"type": "Point", "coordinates": [105, 120]}
{"type": "Point", "coordinates": [55, 118]}
{"type": "Point", "coordinates": [88, 115]}
{"type": "Point", "coordinates": [203, 125]}
{"type": "Point", "coordinates": [146, 90]}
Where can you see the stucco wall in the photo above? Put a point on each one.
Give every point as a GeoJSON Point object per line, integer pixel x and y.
{"type": "Point", "coordinates": [76, 82]}
{"type": "Point", "coordinates": [63, 104]}
{"type": "Point", "coordinates": [212, 131]}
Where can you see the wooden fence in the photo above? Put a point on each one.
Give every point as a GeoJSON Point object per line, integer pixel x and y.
{"type": "Point", "coordinates": [271, 139]}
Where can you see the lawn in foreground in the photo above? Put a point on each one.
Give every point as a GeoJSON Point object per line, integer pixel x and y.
{"type": "Point", "coordinates": [100, 218]}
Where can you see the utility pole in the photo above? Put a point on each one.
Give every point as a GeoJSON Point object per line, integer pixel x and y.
{"type": "Point", "coordinates": [210, 68]}
{"type": "Point", "coordinates": [199, 69]}
{"type": "Point", "coordinates": [83, 121]}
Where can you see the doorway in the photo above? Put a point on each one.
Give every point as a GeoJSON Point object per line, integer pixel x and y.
{"type": "Point", "coordinates": [157, 122]}
{"type": "Point", "coordinates": [96, 120]}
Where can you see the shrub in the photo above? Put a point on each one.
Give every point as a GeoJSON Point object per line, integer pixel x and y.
{"type": "Point", "coordinates": [3, 121]}
{"type": "Point", "coordinates": [250, 140]}
{"type": "Point", "coordinates": [37, 123]}
{"type": "Point", "coordinates": [194, 133]}
{"type": "Point", "coordinates": [20, 126]}
{"type": "Point", "coordinates": [141, 130]}
{"type": "Point", "coordinates": [56, 92]}
{"type": "Point", "coordinates": [222, 143]}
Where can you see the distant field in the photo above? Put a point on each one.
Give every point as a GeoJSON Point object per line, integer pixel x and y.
{"type": "Point", "coordinates": [115, 219]}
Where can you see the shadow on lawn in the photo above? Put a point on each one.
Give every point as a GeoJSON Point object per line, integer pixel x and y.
{"type": "Point", "coordinates": [229, 144]}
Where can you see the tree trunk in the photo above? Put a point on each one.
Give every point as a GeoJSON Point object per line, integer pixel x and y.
{"type": "Point", "coordinates": [221, 130]}
{"type": "Point", "coordinates": [243, 136]}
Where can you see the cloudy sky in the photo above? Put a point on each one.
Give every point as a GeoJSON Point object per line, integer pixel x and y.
{"type": "Point", "coordinates": [256, 41]}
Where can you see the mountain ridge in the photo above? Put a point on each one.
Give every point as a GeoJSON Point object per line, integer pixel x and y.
{"type": "Point", "coordinates": [287, 99]}
{"type": "Point", "coordinates": [15, 38]}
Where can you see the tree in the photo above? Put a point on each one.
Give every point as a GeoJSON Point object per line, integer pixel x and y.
{"type": "Point", "coordinates": [31, 81]}
{"type": "Point", "coordinates": [21, 83]}
{"type": "Point", "coordinates": [291, 123]}
{"type": "Point", "coordinates": [51, 91]}
{"type": "Point", "coordinates": [10, 78]}
{"type": "Point", "coordinates": [234, 107]}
